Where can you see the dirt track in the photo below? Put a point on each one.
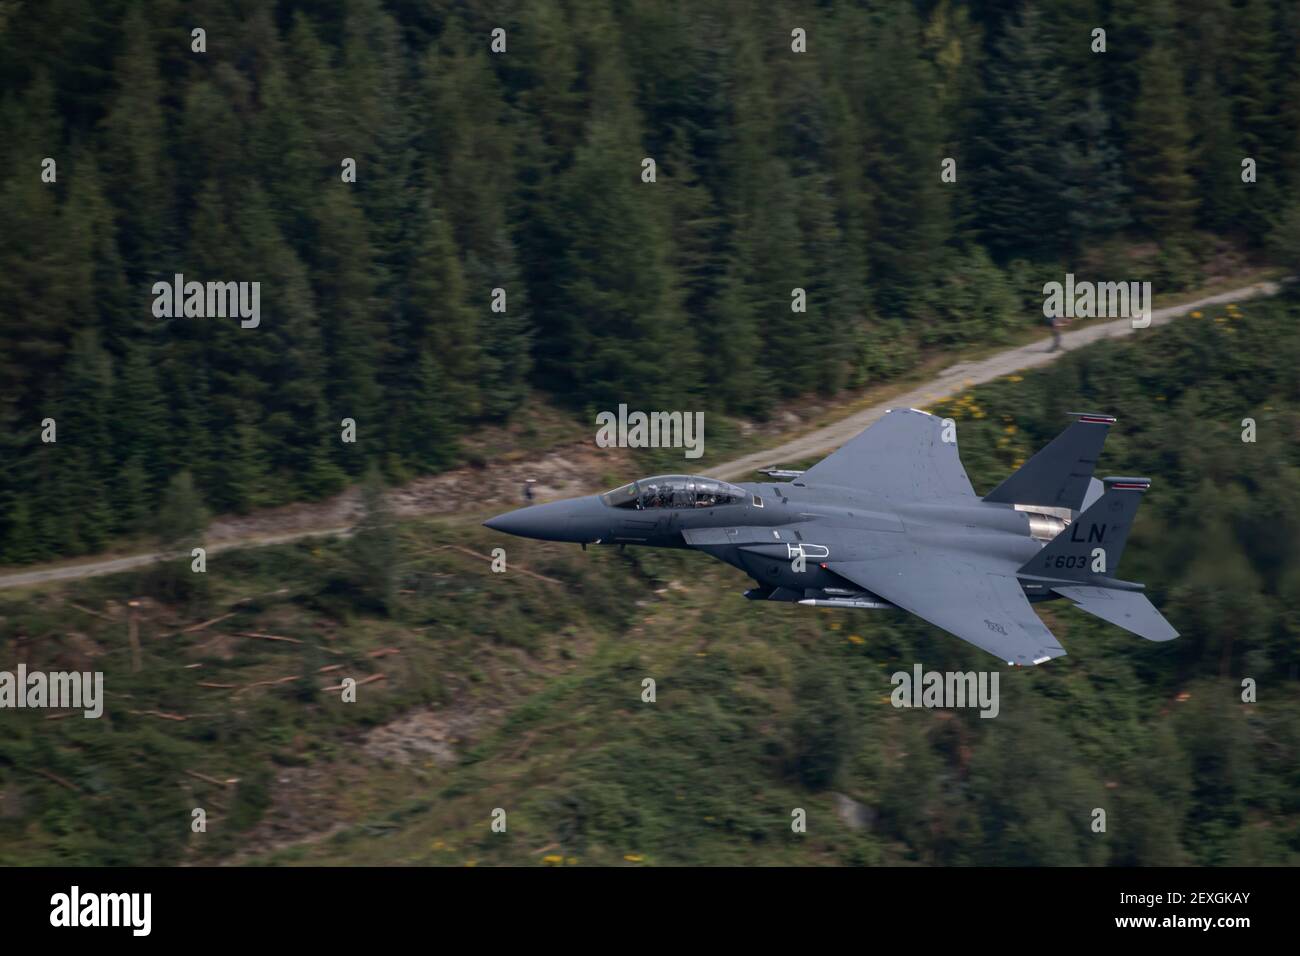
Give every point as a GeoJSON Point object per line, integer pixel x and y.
{"type": "Point", "coordinates": [964, 375]}
{"type": "Point", "coordinates": [573, 470]}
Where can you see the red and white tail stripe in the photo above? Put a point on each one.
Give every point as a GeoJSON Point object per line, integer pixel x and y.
{"type": "Point", "coordinates": [1127, 484]}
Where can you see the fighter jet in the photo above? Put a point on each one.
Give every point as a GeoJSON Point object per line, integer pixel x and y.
{"type": "Point", "coordinates": [890, 521]}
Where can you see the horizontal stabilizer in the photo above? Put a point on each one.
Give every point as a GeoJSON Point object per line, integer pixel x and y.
{"type": "Point", "coordinates": [1127, 609]}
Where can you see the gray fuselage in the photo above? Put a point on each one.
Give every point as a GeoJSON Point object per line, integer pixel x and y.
{"type": "Point", "coordinates": [765, 529]}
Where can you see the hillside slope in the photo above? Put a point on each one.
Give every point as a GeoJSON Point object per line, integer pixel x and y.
{"type": "Point", "coordinates": [522, 691]}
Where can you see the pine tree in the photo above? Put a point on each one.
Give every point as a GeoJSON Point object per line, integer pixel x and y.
{"type": "Point", "coordinates": [179, 528]}
{"type": "Point", "coordinates": [615, 285]}
{"type": "Point", "coordinates": [352, 333]}
{"type": "Point", "coordinates": [380, 136]}
{"type": "Point", "coordinates": [471, 150]}
{"type": "Point", "coordinates": [135, 142]}
{"type": "Point", "coordinates": [315, 98]}
{"type": "Point", "coordinates": [1094, 194]}
{"type": "Point", "coordinates": [241, 481]}
{"type": "Point", "coordinates": [505, 338]}
{"type": "Point", "coordinates": [766, 247]}
{"type": "Point", "coordinates": [954, 45]}
{"type": "Point", "coordinates": [834, 284]}
{"type": "Point", "coordinates": [92, 248]}
{"type": "Point", "coordinates": [776, 267]}
{"type": "Point", "coordinates": [438, 318]}
{"type": "Point", "coordinates": [296, 428]}
{"type": "Point", "coordinates": [132, 497]}
{"type": "Point", "coordinates": [735, 379]}
{"type": "Point", "coordinates": [1164, 201]}
{"type": "Point", "coordinates": [1217, 158]}
{"type": "Point", "coordinates": [713, 287]}
{"type": "Point", "coordinates": [1288, 125]}
{"type": "Point", "coordinates": [1017, 171]}
{"type": "Point", "coordinates": [909, 219]}
{"type": "Point", "coordinates": [300, 180]}
{"type": "Point", "coordinates": [85, 452]}
{"type": "Point", "coordinates": [45, 292]}
{"type": "Point", "coordinates": [140, 419]}
{"type": "Point", "coordinates": [1133, 29]}
{"type": "Point", "coordinates": [1255, 114]}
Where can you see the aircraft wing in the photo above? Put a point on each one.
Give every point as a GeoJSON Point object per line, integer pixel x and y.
{"type": "Point", "coordinates": [976, 600]}
{"type": "Point", "coordinates": [901, 456]}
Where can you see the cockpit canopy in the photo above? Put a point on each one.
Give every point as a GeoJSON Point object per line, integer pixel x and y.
{"type": "Point", "coordinates": [674, 491]}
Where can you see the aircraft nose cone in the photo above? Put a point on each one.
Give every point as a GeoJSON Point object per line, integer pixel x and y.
{"type": "Point", "coordinates": [553, 521]}
{"type": "Point", "coordinates": [499, 523]}
{"type": "Point", "coordinates": [514, 522]}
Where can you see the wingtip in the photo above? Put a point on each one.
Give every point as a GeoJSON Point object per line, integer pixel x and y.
{"type": "Point", "coordinates": [1048, 654]}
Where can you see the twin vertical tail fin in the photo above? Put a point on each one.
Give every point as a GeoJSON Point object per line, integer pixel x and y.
{"type": "Point", "coordinates": [1089, 549]}
{"type": "Point", "coordinates": [1058, 476]}
{"type": "Point", "coordinates": [1084, 557]}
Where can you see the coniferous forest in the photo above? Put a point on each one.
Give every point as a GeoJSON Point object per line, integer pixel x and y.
{"type": "Point", "coordinates": [516, 178]}
{"type": "Point", "coordinates": [466, 214]}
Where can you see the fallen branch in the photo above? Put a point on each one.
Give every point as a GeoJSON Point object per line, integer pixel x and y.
{"type": "Point", "coordinates": [86, 610]}
{"type": "Point", "coordinates": [267, 683]}
{"type": "Point", "coordinates": [254, 597]}
{"type": "Point", "coordinates": [213, 780]}
{"type": "Point", "coordinates": [270, 637]}
{"type": "Point", "coordinates": [291, 640]}
{"type": "Point", "coordinates": [157, 713]}
{"type": "Point", "coordinates": [59, 780]}
{"type": "Point", "coordinates": [198, 627]}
